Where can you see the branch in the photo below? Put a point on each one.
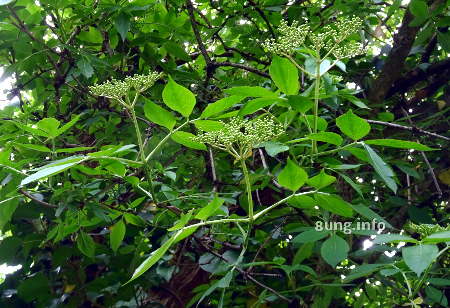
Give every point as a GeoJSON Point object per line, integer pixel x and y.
{"type": "Point", "coordinates": [28, 195]}
{"type": "Point", "coordinates": [417, 75]}
{"type": "Point", "coordinates": [263, 16]}
{"type": "Point", "coordinates": [241, 271]}
{"type": "Point", "coordinates": [198, 37]}
{"type": "Point", "coordinates": [410, 128]}
{"type": "Point", "coordinates": [392, 69]}
{"type": "Point", "coordinates": [244, 67]}
{"type": "Point", "coordinates": [430, 168]}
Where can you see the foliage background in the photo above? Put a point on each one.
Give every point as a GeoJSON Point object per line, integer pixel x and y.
{"type": "Point", "coordinates": [55, 50]}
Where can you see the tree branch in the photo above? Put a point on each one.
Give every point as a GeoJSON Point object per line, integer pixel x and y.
{"type": "Point", "coordinates": [30, 196]}
{"type": "Point", "coordinates": [410, 128]}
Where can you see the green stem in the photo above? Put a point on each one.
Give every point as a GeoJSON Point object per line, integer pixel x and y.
{"type": "Point", "coordinates": [316, 104]}
{"type": "Point", "coordinates": [424, 276]}
{"type": "Point", "coordinates": [167, 138]}
{"type": "Point", "coordinates": [337, 149]}
{"type": "Point", "coordinates": [248, 188]}
{"type": "Point", "coordinates": [147, 171]}
{"type": "Point", "coordinates": [138, 134]}
{"type": "Point", "coordinates": [267, 209]}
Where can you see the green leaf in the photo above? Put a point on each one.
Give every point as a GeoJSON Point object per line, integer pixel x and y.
{"type": "Point", "coordinates": [419, 8]}
{"type": "Point", "coordinates": [48, 171]}
{"type": "Point", "coordinates": [86, 244]}
{"type": "Point", "coordinates": [68, 125]}
{"type": "Point", "coordinates": [34, 287]}
{"type": "Point", "coordinates": [221, 105]}
{"type": "Point", "coordinates": [300, 103]}
{"type": "Point", "coordinates": [117, 235]}
{"type": "Point", "coordinates": [159, 115]}
{"type": "Point", "coordinates": [85, 67]}
{"type": "Point", "coordinates": [184, 219]}
{"type": "Point", "coordinates": [223, 283]}
{"type": "Point", "coordinates": [334, 250]}
{"type": "Point", "coordinates": [368, 213]}
{"type": "Point", "coordinates": [310, 236]}
{"type": "Point", "coordinates": [382, 169]}
{"type": "Point", "coordinates": [352, 183]}
{"type": "Point", "coordinates": [292, 176]}
{"type": "Point", "coordinates": [399, 144]}
{"type": "Point", "coordinates": [248, 91]}
{"type": "Point", "coordinates": [321, 123]}
{"type": "Point", "coordinates": [7, 209]}
{"type": "Point", "coordinates": [256, 104]}
{"type": "Point", "coordinates": [393, 238]}
{"type": "Point", "coordinates": [419, 257]}
{"type": "Point", "coordinates": [176, 50]}
{"type": "Point", "coordinates": [274, 148]}
{"type": "Point", "coordinates": [362, 271]}
{"type": "Point", "coordinates": [321, 180]}
{"type": "Point", "coordinates": [326, 137]}
{"type": "Point", "coordinates": [122, 24]}
{"type": "Point", "coordinates": [185, 139]}
{"type": "Point", "coordinates": [334, 204]}
{"type": "Point", "coordinates": [31, 130]}
{"type": "Point", "coordinates": [178, 98]}
{"type": "Point", "coordinates": [436, 296]}
{"type": "Point", "coordinates": [73, 150]}
{"type": "Point", "coordinates": [210, 209]}
{"type": "Point", "coordinates": [92, 36]}
{"type": "Point", "coordinates": [208, 125]}
{"type": "Point", "coordinates": [285, 75]}
{"type": "Point", "coordinates": [35, 147]}
{"type": "Point", "coordinates": [302, 202]}
{"type": "Point", "coordinates": [154, 257]}
{"type": "Point", "coordinates": [352, 125]}
{"type": "Point", "coordinates": [438, 237]}
{"type": "Point", "coordinates": [444, 40]}
{"type": "Point", "coordinates": [50, 126]}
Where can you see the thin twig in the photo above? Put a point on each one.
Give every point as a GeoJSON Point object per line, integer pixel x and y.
{"type": "Point", "coordinates": [410, 128]}
{"type": "Point", "coordinates": [244, 273]}
{"type": "Point", "coordinates": [425, 158]}
{"type": "Point", "coordinates": [28, 195]}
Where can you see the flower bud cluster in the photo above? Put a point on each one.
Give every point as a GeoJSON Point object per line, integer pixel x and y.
{"type": "Point", "coordinates": [426, 229]}
{"type": "Point", "coordinates": [290, 39]}
{"type": "Point", "coordinates": [332, 40]}
{"type": "Point", "coordinates": [117, 89]}
{"type": "Point", "coordinates": [239, 136]}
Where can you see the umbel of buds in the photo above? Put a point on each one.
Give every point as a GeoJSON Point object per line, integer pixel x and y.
{"type": "Point", "coordinates": [239, 136]}
{"type": "Point", "coordinates": [331, 40]}
{"type": "Point", "coordinates": [117, 89]}
{"type": "Point", "coordinates": [426, 229]}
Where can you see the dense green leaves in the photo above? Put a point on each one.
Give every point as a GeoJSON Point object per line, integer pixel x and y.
{"type": "Point", "coordinates": [114, 180]}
